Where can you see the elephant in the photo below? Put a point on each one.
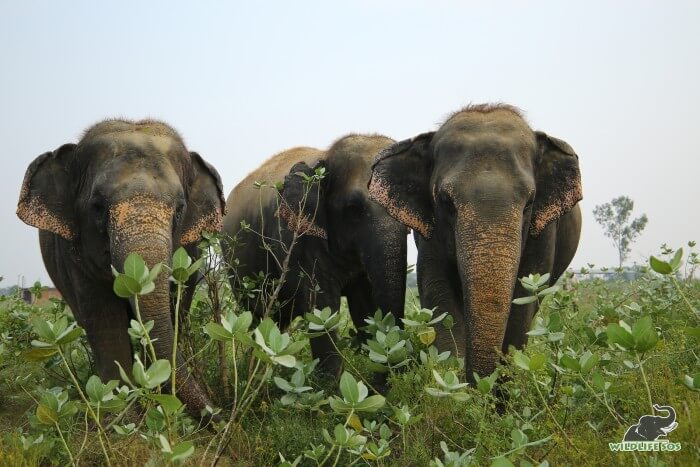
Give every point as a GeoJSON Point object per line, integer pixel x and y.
{"type": "Point", "coordinates": [349, 246]}
{"type": "Point", "coordinates": [489, 200]}
{"type": "Point", "coordinates": [651, 427]}
{"type": "Point", "coordinates": [126, 186]}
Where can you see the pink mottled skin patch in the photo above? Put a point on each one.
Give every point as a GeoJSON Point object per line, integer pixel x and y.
{"type": "Point", "coordinates": [34, 212]}
{"type": "Point", "coordinates": [302, 224]}
{"type": "Point", "coordinates": [140, 216]}
{"type": "Point", "coordinates": [555, 210]}
{"type": "Point", "coordinates": [212, 222]}
{"type": "Point", "coordinates": [379, 192]}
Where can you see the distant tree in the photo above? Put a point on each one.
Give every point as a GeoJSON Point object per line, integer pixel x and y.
{"type": "Point", "coordinates": [615, 219]}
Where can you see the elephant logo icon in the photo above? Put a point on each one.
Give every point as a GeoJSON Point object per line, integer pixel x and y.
{"type": "Point", "coordinates": [652, 427]}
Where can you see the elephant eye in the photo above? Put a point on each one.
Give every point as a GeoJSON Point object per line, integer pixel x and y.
{"type": "Point", "coordinates": [445, 201]}
{"type": "Point", "coordinates": [354, 205]}
{"type": "Point", "coordinates": [97, 207]}
{"type": "Point", "coordinates": [98, 212]}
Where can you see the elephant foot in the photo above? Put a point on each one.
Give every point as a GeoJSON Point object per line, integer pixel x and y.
{"type": "Point", "coordinates": [331, 365]}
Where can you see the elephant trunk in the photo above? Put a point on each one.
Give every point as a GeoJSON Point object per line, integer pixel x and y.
{"type": "Point", "coordinates": [488, 255]}
{"type": "Point", "coordinates": [671, 413]}
{"type": "Point", "coordinates": [144, 226]}
{"type": "Point", "coordinates": [384, 259]}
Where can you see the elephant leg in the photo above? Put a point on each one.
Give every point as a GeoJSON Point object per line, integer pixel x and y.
{"type": "Point", "coordinates": [322, 347]}
{"type": "Point", "coordinates": [537, 258]}
{"type": "Point", "coordinates": [103, 316]}
{"type": "Point", "coordinates": [360, 302]}
{"type": "Point", "coordinates": [519, 322]}
{"type": "Point", "coordinates": [106, 324]}
{"type": "Point", "coordinates": [437, 289]}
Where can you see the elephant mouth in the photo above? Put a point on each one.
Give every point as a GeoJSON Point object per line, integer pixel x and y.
{"type": "Point", "coordinates": [670, 428]}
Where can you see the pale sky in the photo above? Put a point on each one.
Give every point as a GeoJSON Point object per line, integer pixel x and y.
{"type": "Point", "coordinates": [619, 81]}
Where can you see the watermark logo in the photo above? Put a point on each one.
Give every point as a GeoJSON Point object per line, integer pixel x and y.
{"type": "Point", "coordinates": [645, 434]}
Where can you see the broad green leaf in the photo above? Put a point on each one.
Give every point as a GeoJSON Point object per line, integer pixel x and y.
{"type": "Point", "coordinates": [181, 259]}
{"type": "Point", "coordinates": [502, 462]}
{"type": "Point", "coordinates": [525, 300]}
{"type": "Point", "coordinates": [123, 374]}
{"type": "Point", "coordinates": [182, 451]}
{"type": "Point", "coordinates": [194, 267]}
{"type": "Point", "coordinates": [69, 336]}
{"type": "Point", "coordinates": [170, 403]}
{"type": "Point", "coordinates": [285, 360]}
{"type": "Point", "coordinates": [341, 434]}
{"type": "Point", "coordinates": [153, 273]}
{"type": "Point", "coordinates": [570, 363]}
{"type": "Point", "coordinates": [44, 330]}
{"type": "Point", "coordinates": [339, 406]}
{"type": "Point", "coordinates": [675, 262]}
{"type": "Point", "coordinates": [180, 275]}
{"type": "Point", "coordinates": [587, 361]}
{"type": "Point", "coordinates": [135, 268]}
{"type": "Point", "coordinates": [660, 266]}
{"type": "Point", "coordinates": [46, 415]}
{"type": "Point", "coordinates": [165, 444]}
{"type": "Point", "coordinates": [692, 382]}
{"type": "Point", "coordinates": [618, 335]}
{"type": "Point", "coordinates": [537, 361]}
{"type": "Point", "coordinates": [40, 354]}
{"type": "Point", "coordinates": [371, 404]}
{"type": "Point", "coordinates": [283, 384]}
{"type": "Point", "coordinates": [126, 287]}
{"type": "Point", "coordinates": [294, 347]}
{"type": "Point", "coordinates": [147, 288]}
{"type": "Point", "coordinates": [217, 332]}
{"type": "Point", "coordinates": [159, 372]}
{"type": "Point", "coordinates": [355, 423]}
{"type": "Point", "coordinates": [644, 334]}
{"type": "Point", "coordinates": [521, 360]}
{"type": "Point", "coordinates": [548, 291]}
{"type": "Point", "coordinates": [484, 386]}
{"type": "Point", "coordinates": [140, 374]}
{"type": "Point", "coordinates": [93, 388]}
{"type": "Point", "coordinates": [427, 336]}
{"type": "Point", "coordinates": [349, 389]}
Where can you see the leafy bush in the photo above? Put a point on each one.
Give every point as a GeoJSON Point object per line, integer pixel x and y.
{"type": "Point", "coordinates": [600, 355]}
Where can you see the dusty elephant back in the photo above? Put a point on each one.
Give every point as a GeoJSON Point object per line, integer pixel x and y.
{"type": "Point", "coordinates": [245, 200]}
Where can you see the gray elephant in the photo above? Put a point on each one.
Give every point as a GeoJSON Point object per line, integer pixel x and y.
{"type": "Point", "coordinates": [350, 246]}
{"type": "Point", "coordinates": [125, 187]}
{"type": "Point", "coordinates": [651, 427]}
{"type": "Point", "coordinates": [489, 200]}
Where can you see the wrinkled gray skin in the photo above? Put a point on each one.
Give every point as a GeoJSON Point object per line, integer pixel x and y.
{"type": "Point", "coordinates": [350, 247]}
{"type": "Point", "coordinates": [490, 200]}
{"type": "Point", "coordinates": [651, 427]}
{"type": "Point", "coordinates": [125, 187]}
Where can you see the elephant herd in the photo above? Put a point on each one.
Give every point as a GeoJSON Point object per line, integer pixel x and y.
{"type": "Point", "coordinates": [488, 199]}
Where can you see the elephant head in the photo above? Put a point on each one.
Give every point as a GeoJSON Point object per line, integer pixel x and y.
{"type": "Point", "coordinates": [352, 227]}
{"type": "Point", "coordinates": [478, 188]}
{"type": "Point", "coordinates": [651, 427]}
{"type": "Point", "coordinates": [125, 187]}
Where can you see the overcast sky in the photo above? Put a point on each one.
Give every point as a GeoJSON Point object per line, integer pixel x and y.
{"type": "Point", "coordinates": [620, 81]}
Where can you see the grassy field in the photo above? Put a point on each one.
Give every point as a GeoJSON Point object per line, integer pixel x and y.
{"type": "Point", "coordinates": [600, 354]}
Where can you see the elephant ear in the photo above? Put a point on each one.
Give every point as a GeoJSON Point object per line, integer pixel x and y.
{"type": "Point", "coordinates": [400, 183]}
{"type": "Point", "coordinates": [301, 203]}
{"type": "Point", "coordinates": [47, 194]}
{"type": "Point", "coordinates": [558, 182]}
{"type": "Point", "coordinates": [205, 204]}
